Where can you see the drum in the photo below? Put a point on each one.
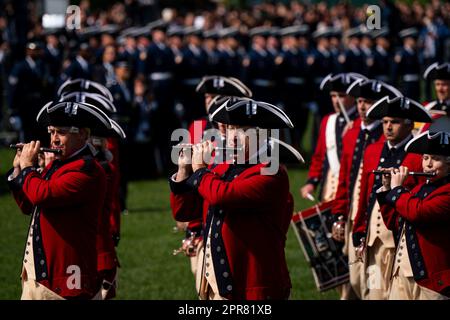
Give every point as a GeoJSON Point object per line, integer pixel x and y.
{"type": "Point", "coordinates": [328, 263]}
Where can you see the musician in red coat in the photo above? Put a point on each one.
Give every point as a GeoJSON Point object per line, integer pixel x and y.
{"type": "Point", "coordinates": [246, 214]}
{"type": "Point", "coordinates": [65, 202]}
{"type": "Point", "coordinates": [369, 232]}
{"type": "Point", "coordinates": [364, 132]}
{"type": "Point", "coordinates": [439, 108]}
{"type": "Point", "coordinates": [420, 221]}
{"type": "Point", "coordinates": [213, 88]}
{"type": "Point", "coordinates": [324, 168]}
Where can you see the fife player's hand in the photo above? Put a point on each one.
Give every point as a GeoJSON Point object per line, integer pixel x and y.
{"type": "Point", "coordinates": [202, 154]}
{"type": "Point", "coordinates": [29, 154]}
{"type": "Point", "coordinates": [398, 176]}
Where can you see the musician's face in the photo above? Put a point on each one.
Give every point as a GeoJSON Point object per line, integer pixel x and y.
{"type": "Point", "coordinates": [396, 129]}
{"type": "Point", "coordinates": [347, 101]}
{"type": "Point", "coordinates": [237, 138]}
{"type": "Point", "coordinates": [442, 89]}
{"type": "Point", "coordinates": [435, 164]}
{"type": "Point", "coordinates": [363, 105]}
{"type": "Point", "coordinates": [69, 142]}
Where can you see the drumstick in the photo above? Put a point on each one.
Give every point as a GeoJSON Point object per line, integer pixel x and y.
{"type": "Point", "coordinates": [310, 197]}
{"type": "Point", "coordinates": [412, 173]}
{"type": "Point", "coordinates": [20, 146]}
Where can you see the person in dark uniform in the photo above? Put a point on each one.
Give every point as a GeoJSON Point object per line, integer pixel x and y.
{"type": "Point", "coordinates": [53, 58]}
{"type": "Point", "coordinates": [230, 53]}
{"type": "Point", "coordinates": [210, 38]}
{"type": "Point", "coordinates": [25, 92]}
{"type": "Point", "coordinates": [335, 48]}
{"type": "Point", "coordinates": [80, 66]}
{"type": "Point", "coordinates": [233, 263]}
{"type": "Point", "coordinates": [353, 59]}
{"type": "Point", "coordinates": [321, 65]}
{"type": "Point", "coordinates": [259, 66]}
{"type": "Point", "coordinates": [104, 72]}
{"type": "Point", "coordinates": [192, 69]}
{"type": "Point", "coordinates": [64, 202]}
{"type": "Point", "coordinates": [293, 72]}
{"type": "Point", "coordinates": [407, 64]}
{"type": "Point", "coordinates": [381, 69]}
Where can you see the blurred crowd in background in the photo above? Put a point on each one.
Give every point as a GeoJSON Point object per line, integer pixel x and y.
{"type": "Point", "coordinates": [151, 55]}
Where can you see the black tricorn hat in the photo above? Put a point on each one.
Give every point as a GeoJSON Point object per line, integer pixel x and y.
{"type": "Point", "coordinates": [72, 85]}
{"type": "Point", "coordinates": [430, 143]}
{"type": "Point", "coordinates": [73, 114]}
{"type": "Point", "coordinates": [225, 86]}
{"type": "Point", "coordinates": [90, 98]}
{"type": "Point", "coordinates": [399, 107]}
{"type": "Point", "coordinates": [340, 82]}
{"type": "Point", "coordinates": [93, 99]}
{"type": "Point", "coordinates": [248, 112]}
{"type": "Point", "coordinates": [372, 90]}
{"type": "Point", "coordinates": [437, 71]}
{"type": "Point", "coordinates": [287, 153]}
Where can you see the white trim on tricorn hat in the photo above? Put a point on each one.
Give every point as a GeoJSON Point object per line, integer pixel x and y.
{"type": "Point", "coordinates": [437, 71]}
{"type": "Point", "coordinates": [70, 115]}
{"type": "Point", "coordinates": [344, 79]}
{"type": "Point", "coordinates": [230, 111]}
{"type": "Point", "coordinates": [290, 153]}
{"type": "Point", "coordinates": [90, 98]}
{"type": "Point", "coordinates": [356, 89]}
{"type": "Point", "coordinates": [398, 107]}
{"type": "Point", "coordinates": [84, 85]}
{"type": "Point", "coordinates": [218, 85]}
{"type": "Point", "coordinates": [430, 143]}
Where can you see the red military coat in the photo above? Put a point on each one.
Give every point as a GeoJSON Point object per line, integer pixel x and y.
{"type": "Point", "coordinates": [319, 161]}
{"type": "Point", "coordinates": [64, 233]}
{"type": "Point", "coordinates": [341, 203]}
{"type": "Point", "coordinates": [254, 216]}
{"type": "Point", "coordinates": [425, 213]}
{"type": "Point", "coordinates": [371, 162]}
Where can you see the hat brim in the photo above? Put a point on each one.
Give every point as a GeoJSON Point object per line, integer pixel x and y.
{"type": "Point", "coordinates": [287, 153]}
{"type": "Point", "coordinates": [76, 114]}
{"type": "Point", "coordinates": [430, 143]}
{"type": "Point", "coordinates": [90, 98]}
{"type": "Point", "coordinates": [247, 112]}
{"type": "Point", "coordinates": [84, 85]}
{"type": "Point", "coordinates": [387, 107]}
{"type": "Point", "coordinates": [372, 90]}
{"type": "Point", "coordinates": [437, 72]}
{"type": "Point", "coordinates": [225, 86]}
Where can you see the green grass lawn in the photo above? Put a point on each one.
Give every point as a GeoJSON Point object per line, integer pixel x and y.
{"type": "Point", "coordinates": [149, 270]}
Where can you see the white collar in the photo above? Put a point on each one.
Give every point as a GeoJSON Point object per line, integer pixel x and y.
{"type": "Point", "coordinates": [371, 126]}
{"type": "Point", "coordinates": [400, 144]}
